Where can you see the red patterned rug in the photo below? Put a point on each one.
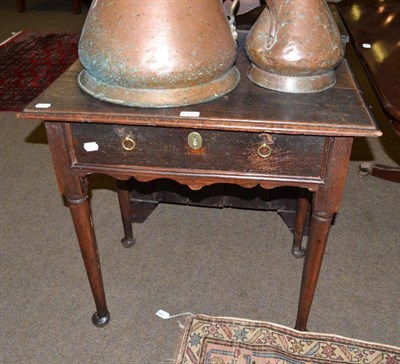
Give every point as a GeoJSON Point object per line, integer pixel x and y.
{"type": "Point", "coordinates": [217, 340]}
{"type": "Point", "coordinates": [30, 62]}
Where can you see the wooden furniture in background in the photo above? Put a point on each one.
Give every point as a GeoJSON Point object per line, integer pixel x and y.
{"type": "Point", "coordinates": [250, 137]}
{"type": "Point", "coordinates": [374, 28]}
{"type": "Point", "coordinates": [77, 6]}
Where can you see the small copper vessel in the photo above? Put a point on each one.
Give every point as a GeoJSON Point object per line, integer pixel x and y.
{"type": "Point", "coordinates": [160, 53]}
{"type": "Point", "coordinates": [294, 46]}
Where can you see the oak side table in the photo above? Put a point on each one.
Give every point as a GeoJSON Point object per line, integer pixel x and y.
{"type": "Point", "coordinates": [249, 137]}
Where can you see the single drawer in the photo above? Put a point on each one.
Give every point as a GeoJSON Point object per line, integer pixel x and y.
{"type": "Point", "coordinates": [197, 150]}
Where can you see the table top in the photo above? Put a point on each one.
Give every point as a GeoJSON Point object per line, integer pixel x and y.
{"type": "Point", "coordinates": [338, 111]}
{"type": "Point", "coordinates": [375, 30]}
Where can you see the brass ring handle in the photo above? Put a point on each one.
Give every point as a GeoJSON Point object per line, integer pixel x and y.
{"type": "Point", "coordinates": [128, 143]}
{"type": "Point", "coordinates": [264, 150]}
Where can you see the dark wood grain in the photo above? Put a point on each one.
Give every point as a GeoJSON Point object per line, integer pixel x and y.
{"type": "Point", "coordinates": [168, 148]}
{"type": "Point", "coordinates": [339, 110]}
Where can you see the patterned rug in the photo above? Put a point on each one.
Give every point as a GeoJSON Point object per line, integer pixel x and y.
{"type": "Point", "coordinates": [30, 62]}
{"type": "Point", "coordinates": [216, 340]}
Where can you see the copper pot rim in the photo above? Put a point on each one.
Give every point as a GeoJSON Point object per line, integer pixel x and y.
{"type": "Point", "coordinates": [159, 98]}
{"type": "Point", "coordinates": [291, 84]}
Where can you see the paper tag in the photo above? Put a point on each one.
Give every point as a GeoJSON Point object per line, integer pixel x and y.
{"type": "Point", "coordinates": [42, 106]}
{"type": "Point", "coordinates": [163, 314]}
{"type": "Point", "coordinates": [366, 45]}
{"type": "Point", "coordinates": [193, 114]}
{"type": "Point", "coordinates": [91, 146]}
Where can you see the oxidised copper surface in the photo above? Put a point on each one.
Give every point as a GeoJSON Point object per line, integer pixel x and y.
{"type": "Point", "coordinates": [157, 53]}
{"type": "Point", "coordinates": [294, 46]}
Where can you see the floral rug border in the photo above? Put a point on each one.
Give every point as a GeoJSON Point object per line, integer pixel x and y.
{"type": "Point", "coordinates": [221, 340]}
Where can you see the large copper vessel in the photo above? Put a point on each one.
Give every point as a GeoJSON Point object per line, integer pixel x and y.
{"type": "Point", "coordinates": [157, 53]}
{"type": "Point", "coordinates": [294, 46]}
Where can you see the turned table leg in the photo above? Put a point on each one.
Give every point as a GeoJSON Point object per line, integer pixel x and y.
{"type": "Point", "coordinates": [318, 236]}
{"type": "Point", "coordinates": [74, 187]}
{"type": "Point", "coordinates": [124, 199]}
{"type": "Point", "coordinates": [326, 203]}
{"type": "Point", "coordinates": [81, 216]}
{"type": "Point", "coordinates": [301, 216]}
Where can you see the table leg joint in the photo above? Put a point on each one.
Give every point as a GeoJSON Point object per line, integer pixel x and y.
{"type": "Point", "coordinates": [72, 200]}
{"type": "Point", "coordinates": [322, 216]}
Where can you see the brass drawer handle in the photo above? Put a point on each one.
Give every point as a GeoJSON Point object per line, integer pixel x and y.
{"type": "Point", "coordinates": [264, 150]}
{"type": "Point", "coordinates": [128, 143]}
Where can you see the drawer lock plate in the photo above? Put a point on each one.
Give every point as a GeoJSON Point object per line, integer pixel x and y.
{"type": "Point", "coordinates": [195, 140]}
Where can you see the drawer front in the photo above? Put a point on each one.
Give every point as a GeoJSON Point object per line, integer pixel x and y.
{"type": "Point", "coordinates": [175, 148]}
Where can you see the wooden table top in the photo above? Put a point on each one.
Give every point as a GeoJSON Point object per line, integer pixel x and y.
{"type": "Point", "coordinates": [375, 30]}
{"type": "Point", "coordinates": [338, 111]}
